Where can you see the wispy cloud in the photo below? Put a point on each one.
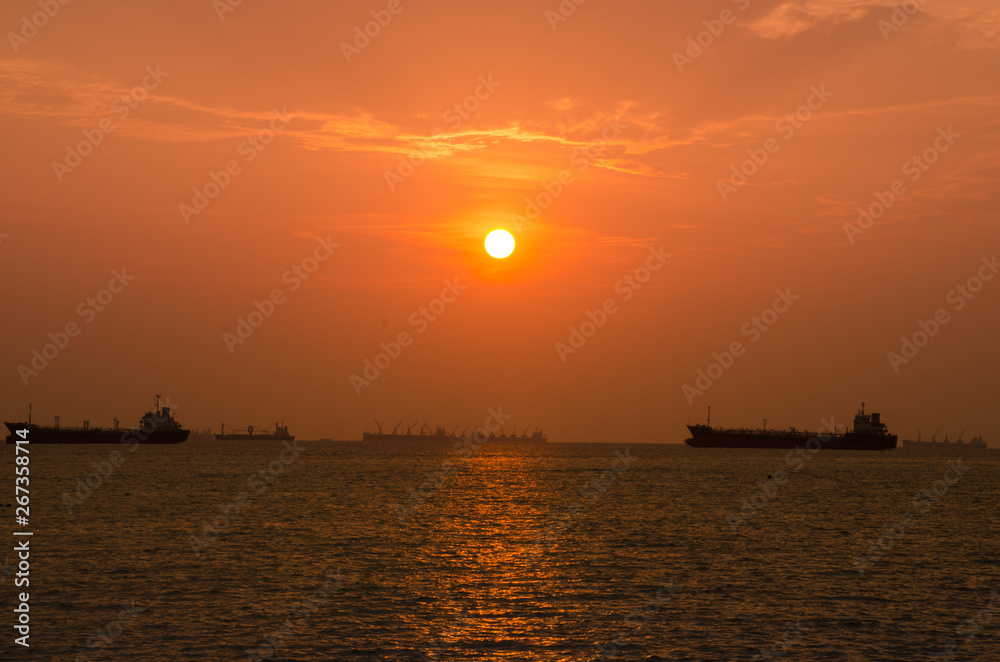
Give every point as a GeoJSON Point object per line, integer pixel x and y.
{"type": "Point", "coordinates": [976, 22]}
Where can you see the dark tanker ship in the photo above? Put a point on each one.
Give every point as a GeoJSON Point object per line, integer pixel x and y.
{"type": "Point", "coordinates": [154, 428]}
{"type": "Point", "coordinates": [869, 434]}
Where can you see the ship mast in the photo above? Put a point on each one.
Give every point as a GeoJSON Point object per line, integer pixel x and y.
{"type": "Point", "coordinates": [709, 416]}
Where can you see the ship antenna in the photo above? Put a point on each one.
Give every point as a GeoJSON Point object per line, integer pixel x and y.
{"type": "Point", "coordinates": [29, 413]}
{"type": "Point", "coordinates": [709, 416]}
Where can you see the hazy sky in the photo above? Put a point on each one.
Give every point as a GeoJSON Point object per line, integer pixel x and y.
{"type": "Point", "coordinates": [354, 177]}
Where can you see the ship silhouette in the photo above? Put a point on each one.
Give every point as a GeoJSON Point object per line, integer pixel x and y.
{"type": "Point", "coordinates": [280, 433]}
{"type": "Point", "coordinates": [975, 442]}
{"type": "Point", "coordinates": [154, 428]}
{"type": "Point", "coordinates": [442, 434]}
{"type": "Point", "coordinates": [869, 433]}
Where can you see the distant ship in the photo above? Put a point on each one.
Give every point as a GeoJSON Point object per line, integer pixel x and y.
{"type": "Point", "coordinates": [869, 433]}
{"type": "Point", "coordinates": [280, 434]}
{"type": "Point", "coordinates": [154, 428]}
{"type": "Point", "coordinates": [975, 442]}
{"type": "Point", "coordinates": [441, 434]}
{"type": "Point", "coordinates": [538, 437]}
{"type": "Point", "coordinates": [425, 434]}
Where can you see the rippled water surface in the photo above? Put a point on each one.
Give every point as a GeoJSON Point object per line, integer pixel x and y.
{"type": "Point", "coordinates": [543, 552]}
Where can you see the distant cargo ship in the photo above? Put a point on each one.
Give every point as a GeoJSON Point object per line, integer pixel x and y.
{"type": "Point", "coordinates": [249, 434]}
{"type": "Point", "coordinates": [154, 428]}
{"type": "Point", "coordinates": [975, 442]}
{"type": "Point", "coordinates": [538, 437]}
{"type": "Point", "coordinates": [869, 433]}
{"type": "Point", "coordinates": [441, 434]}
{"type": "Point", "coordinates": [424, 434]}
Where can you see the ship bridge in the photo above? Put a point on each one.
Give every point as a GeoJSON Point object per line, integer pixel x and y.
{"type": "Point", "coordinates": [869, 423]}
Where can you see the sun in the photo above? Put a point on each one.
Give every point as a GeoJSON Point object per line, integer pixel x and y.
{"type": "Point", "coordinates": [499, 243]}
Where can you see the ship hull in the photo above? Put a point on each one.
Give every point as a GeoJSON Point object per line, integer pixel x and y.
{"type": "Point", "coordinates": [705, 437]}
{"type": "Point", "coordinates": [254, 437]}
{"type": "Point", "coordinates": [40, 435]}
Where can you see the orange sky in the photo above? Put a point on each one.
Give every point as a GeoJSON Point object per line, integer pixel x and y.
{"type": "Point", "coordinates": [643, 126]}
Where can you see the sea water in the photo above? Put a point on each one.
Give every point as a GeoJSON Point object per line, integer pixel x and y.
{"type": "Point", "coordinates": [346, 551]}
